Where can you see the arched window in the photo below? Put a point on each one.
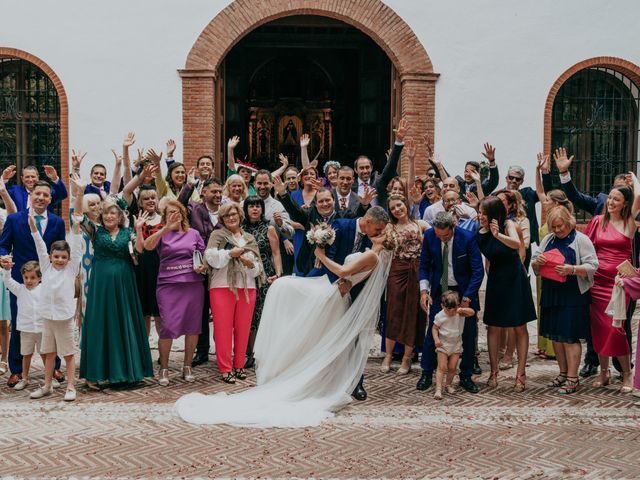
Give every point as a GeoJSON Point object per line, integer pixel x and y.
{"type": "Point", "coordinates": [595, 117]}
{"type": "Point", "coordinates": [29, 116]}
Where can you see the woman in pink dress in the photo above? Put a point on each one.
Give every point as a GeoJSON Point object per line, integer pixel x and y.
{"type": "Point", "coordinates": [611, 234]}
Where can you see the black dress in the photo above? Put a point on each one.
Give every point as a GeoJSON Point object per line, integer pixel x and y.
{"type": "Point", "coordinates": [564, 311]}
{"type": "Point", "coordinates": [260, 231]}
{"type": "Point", "coordinates": [508, 299]}
{"type": "Point", "coordinates": [147, 275]}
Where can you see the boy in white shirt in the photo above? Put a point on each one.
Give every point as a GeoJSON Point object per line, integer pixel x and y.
{"type": "Point", "coordinates": [28, 320]}
{"type": "Point", "coordinates": [58, 305]}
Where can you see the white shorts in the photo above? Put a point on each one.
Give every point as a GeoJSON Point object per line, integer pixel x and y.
{"type": "Point", "coordinates": [57, 337]}
{"type": "Point", "coordinates": [30, 342]}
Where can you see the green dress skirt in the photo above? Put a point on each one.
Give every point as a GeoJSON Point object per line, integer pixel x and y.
{"type": "Point", "coordinates": [115, 345]}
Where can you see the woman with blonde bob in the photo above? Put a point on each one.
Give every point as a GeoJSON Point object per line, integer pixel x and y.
{"type": "Point", "coordinates": [234, 257]}
{"type": "Point", "coordinates": [235, 190]}
{"type": "Point", "coordinates": [564, 305]}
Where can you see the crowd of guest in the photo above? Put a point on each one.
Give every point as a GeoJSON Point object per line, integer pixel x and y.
{"type": "Point", "coordinates": [190, 255]}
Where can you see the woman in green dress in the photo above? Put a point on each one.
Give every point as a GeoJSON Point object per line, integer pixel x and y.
{"type": "Point", "coordinates": [115, 346]}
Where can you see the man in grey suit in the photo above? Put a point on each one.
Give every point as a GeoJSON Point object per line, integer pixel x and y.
{"type": "Point", "coordinates": [347, 202]}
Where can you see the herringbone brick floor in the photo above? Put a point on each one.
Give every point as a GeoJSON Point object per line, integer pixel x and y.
{"type": "Point", "coordinates": [398, 432]}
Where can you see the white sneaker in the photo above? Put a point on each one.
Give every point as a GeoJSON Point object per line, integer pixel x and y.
{"type": "Point", "coordinates": [438, 395]}
{"type": "Point", "coordinates": [55, 383]}
{"type": "Point", "coordinates": [41, 392]}
{"type": "Point", "coordinates": [21, 384]}
{"type": "Point", "coordinates": [70, 395]}
{"type": "Point", "coordinates": [450, 389]}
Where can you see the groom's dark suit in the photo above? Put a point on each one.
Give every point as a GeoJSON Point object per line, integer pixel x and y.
{"type": "Point", "coordinates": [343, 246]}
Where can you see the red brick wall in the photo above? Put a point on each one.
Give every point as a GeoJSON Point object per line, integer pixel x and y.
{"type": "Point", "coordinates": [64, 111]}
{"type": "Point", "coordinates": [372, 17]}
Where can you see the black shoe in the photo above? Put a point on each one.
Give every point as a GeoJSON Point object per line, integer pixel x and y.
{"type": "Point", "coordinates": [588, 370]}
{"type": "Point", "coordinates": [476, 367]}
{"type": "Point", "coordinates": [199, 359]}
{"type": "Point", "coordinates": [249, 362]}
{"type": "Point", "coordinates": [425, 381]}
{"type": "Point", "coordinates": [468, 385]}
{"type": "Point", "coordinates": [359, 393]}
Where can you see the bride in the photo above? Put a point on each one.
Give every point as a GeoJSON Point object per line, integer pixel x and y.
{"type": "Point", "coordinates": [310, 351]}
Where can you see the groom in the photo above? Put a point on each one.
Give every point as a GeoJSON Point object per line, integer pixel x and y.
{"type": "Point", "coordinates": [353, 235]}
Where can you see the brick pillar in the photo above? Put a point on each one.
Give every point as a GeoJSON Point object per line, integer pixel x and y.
{"type": "Point", "coordinates": [198, 116]}
{"type": "Point", "coordinates": [419, 108]}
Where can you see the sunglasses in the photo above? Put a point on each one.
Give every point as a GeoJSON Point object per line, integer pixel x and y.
{"type": "Point", "coordinates": [514, 179]}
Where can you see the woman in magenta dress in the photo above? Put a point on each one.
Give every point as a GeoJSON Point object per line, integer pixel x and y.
{"type": "Point", "coordinates": [632, 288]}
{"type": "Point", "coordinates": [611, 234]}
{"type": "Point", "coordinates": [179, 292]}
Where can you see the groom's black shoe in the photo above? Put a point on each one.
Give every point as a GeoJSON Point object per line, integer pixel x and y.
{"type": "Point", "coordinates": [359, 393]}
{"type": "Point", "coordinates": [199, 358]}
{"type": "Point", "coordinates": [588, 370]}
{"type": "Point", "coordinates": [425, 381]}
{"type": "Point", "coordinates": [468, 384]}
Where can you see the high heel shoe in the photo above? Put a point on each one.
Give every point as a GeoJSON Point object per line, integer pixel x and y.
{"type": "Point", "coordinates": [405, 366]}
{"type": "Point", "coordinates": [571, 386]}
{"type": "Point", "coordinates": [386, 363]}
{"type": "Point", "coordinates": [626, 388]}
{"type": "Point", "coordinates": [187, 374]}
{"type": "Point", "coordinates": [602, 381]}
{"type": "Point", "coordinates": [559, 381]}
{"type": "Point", "coordinates": [520, 386]}
{"type": "Point", "coordinates": [163, 375]}
{"type": "Point", "coordinates": [492, 381]}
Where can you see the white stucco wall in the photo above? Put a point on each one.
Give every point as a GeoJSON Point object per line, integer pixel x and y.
{"type": "Point", "coordinates": [497, 60]}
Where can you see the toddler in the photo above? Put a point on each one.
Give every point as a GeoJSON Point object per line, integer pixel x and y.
{"type": "Point", "coordinates": [28, 320]}
{"type": "Point", "coordinates": [447, 336]}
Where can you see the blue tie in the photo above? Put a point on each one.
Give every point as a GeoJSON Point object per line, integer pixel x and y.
{"type": "Point", "coordinates": [39, 223]}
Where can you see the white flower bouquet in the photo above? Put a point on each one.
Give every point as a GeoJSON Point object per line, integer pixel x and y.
{"type": "Point", "coordinates": [321, 235]}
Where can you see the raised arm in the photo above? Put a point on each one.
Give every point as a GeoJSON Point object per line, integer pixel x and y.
{"type": "Point", "coordinates": [138, 224]}
{"type": "Point", "coordinates": [117, 173]}
{"type": "Point", "coordinates": [129, 140]}
{"type": "Point", "coordinates": [363, 263]}
{"type": "Point", "coordinates": [77, 186]}
{"type": "Point", "coordinates": [231, 156]}
{"type": "Point", "coordinates": [172, 223]}
{"type": "Point", "coordinates": [284, 163]}
{"type": "Point", "coordinates": [542, 166]}
{"type": "Point", "coordinates": [161, 185]}
{"type": "Point", "coordinates": [490, 184]}
{"type": "Point", "coordinates": [41, 247]}
{"type": "Point", "coordinates": [510, 238]}
{"type": "Point", "coordinates": [295, 211]}
{"type": "Point", "coordinates": [9, 204]}
{"type": "Point", "coordinates": [58, 188]}
{"type": "Point", "coordinates": [390, 169]}
{"type": "Point", "coordinates": [304, 145]}
{"type": "Point", "coordinates": [579, 199]}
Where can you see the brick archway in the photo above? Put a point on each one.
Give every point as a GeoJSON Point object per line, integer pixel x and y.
{"type": "Point", "coordinates": [64, 106]}
{"type": "Point", "coordinates": [625, 67]}
{"type": "Point", "coordinates": [200, 89]}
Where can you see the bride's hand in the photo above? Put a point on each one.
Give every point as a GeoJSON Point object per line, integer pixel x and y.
{"type": "Point", "coordinates": [320, 253]}
{"type": "Point", "coordinates": [344, 286]}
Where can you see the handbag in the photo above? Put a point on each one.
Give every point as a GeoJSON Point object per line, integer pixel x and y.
{"type": "Point", "coordinates": [198, 260]}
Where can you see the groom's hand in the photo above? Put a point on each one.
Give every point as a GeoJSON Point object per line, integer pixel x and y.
{"type": "Point", "coordinates": [425, 300]}
{"type": "Point", "coordinates": [344, 287]}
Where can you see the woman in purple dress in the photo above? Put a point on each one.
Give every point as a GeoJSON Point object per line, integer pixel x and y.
{"type": "Point", "coordinates": [179, 292]}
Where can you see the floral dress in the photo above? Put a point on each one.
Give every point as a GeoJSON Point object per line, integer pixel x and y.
{"type": "Point", "coordinates": [260, 231]}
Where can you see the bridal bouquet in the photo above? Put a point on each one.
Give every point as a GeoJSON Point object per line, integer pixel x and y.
{"type": "Point", "coordinates": [321, 235]}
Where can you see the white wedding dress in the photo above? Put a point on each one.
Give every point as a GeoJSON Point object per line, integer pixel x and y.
{"type": "Point", "coordinates": [310, 351]}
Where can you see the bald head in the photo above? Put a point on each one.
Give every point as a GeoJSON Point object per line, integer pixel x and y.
{"type": "Point", "coordinates": [450, 183]}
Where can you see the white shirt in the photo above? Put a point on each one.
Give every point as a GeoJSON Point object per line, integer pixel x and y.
{"type": "Point", "coordinates": [213, 216]}
{"type": "Point", "coordinates": [219, 259]}
{"type": "Point", "coordinates": [432, 210]}
{"type": "Point", "coordinates": [451, 279]}
{"type": "Point", "coordinates": [449, 327]}
{"type": "Point", "coordinates": [28, 303]}
{"type": "Point", "coordinates": [565, 178]}
{"type": "Point", "coordinates": [57, 300]}
{"type": "Point", "coordinates": [271, 205]}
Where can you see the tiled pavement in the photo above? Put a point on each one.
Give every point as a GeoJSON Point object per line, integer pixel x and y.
{"type": "Point", "coordinates": [397, 433]}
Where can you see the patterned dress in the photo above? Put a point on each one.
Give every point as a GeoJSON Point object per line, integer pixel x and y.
{"type": "Point", "coordinates": [260, 231]}
{"type": "Point", "coordinates": [405, 321]}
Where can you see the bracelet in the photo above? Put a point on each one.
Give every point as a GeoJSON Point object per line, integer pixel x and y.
{"type": "Point", "coordinates": [574, 270]}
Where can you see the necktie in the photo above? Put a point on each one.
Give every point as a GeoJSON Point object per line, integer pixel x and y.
{"type": "Point", "coordinates": [39, 224]}
{"type": "Point", "coordinates": [445, 269]}
{"type": "Point", "coordinates": [358, 243]}
{"type": "Point", "coordinates": [343, 203]}
{"type": "Point", "coordinates": [103, 193]}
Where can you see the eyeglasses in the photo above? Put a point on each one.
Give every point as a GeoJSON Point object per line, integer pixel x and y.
{"type": "Point", "coordinates": [514, 179]}
{"type": "Point", "coordinates": [230, 214]}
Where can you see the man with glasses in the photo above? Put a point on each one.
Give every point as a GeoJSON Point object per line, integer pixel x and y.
{"type": "Point", "coordinates": [453, 205]}
{"type": "Point", "coordinates": [449, 183]}
{"type": "Point", "coordinates": [468, 182]}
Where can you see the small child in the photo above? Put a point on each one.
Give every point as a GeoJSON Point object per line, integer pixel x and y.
{"type": "Point", "coordinates": [448, 325]}
{"type": "Point", "coordinates": [57, 305]}
{"type": "Point", "coordinates": [28, 320]}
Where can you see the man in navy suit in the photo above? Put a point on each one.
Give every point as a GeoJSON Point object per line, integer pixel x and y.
{"type": "Point", "coordinates": [16, 239]}
{"type": "Point", "coordinates": [460, 270]}
{"type": "Point", "coordinates": [353, 235]}
{"type": "Point", "coordinates": [99, 183]}
{"type": "Point", "coordinates": [21, 194]}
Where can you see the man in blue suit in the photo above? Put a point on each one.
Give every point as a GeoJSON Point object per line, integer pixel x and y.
{"type": "Point", "coordinates": [22, 194]}
{"type": "Point", "coordinates": [16, 239]}
{"type": "Point", "coordinates": [450, 260]}
{"type": "Point", "coordinates": [352, 236]}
